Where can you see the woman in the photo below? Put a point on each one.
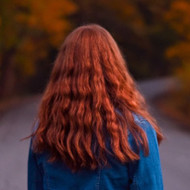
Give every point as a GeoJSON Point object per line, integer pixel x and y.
{"type": "Point", "coordinates": [93, 129]}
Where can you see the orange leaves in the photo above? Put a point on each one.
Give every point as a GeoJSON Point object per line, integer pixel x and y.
{"type": "Point", "coordinates": [31, 27]}
{"type": "Point", "coordinates": [180, 50]}
{"type": "Point", "coordinates": [179, 17]}
{"type": "Point", "coordinates": [47, 16]}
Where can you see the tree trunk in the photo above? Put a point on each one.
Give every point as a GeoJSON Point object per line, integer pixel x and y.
{"type": "Point", "coordinates": [7, 74]}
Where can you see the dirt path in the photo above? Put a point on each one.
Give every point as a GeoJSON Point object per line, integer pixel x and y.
{"type": "Point", "coordinates": [16, 123]}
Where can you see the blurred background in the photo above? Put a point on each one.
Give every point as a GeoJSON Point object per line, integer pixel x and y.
{"type": "Point", "coordinates": [154, 37]}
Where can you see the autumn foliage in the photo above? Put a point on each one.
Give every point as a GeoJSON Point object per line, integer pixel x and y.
{"type": "Point", "coordinates": [28, 30]}
{"type": "Point", "coordinates": [154, 37]}
{"type": "Point", "coordinates": [178, 17]}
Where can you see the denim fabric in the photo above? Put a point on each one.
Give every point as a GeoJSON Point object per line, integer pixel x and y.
{"type": "Point", "coordinates": [144, 174]}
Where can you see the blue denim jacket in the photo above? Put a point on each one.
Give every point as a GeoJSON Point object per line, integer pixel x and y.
{"type": "Point", "coordinates": [144, 174]}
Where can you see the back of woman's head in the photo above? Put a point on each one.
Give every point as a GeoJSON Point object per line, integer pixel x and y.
{"type": "Point", "coordinates": [89, 102]}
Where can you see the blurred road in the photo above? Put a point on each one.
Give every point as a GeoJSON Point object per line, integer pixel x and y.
{"type": "Point", "coordinates": [174, 150]}
{"type": "Point", "coordinates": [16, 124]}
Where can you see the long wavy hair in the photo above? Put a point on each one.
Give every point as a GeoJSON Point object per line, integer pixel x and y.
{"type": "Point", "coordinates": [78, 117]}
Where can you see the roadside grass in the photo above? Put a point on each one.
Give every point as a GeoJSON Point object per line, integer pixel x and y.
{"type": "Point", "coordinates": [176, 105]}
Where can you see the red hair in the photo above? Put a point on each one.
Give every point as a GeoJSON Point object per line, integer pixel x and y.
{"type": "Point", "coordinates": [78, 116]}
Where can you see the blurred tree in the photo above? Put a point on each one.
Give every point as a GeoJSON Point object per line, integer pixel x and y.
{"type": "Point", "coordinates": [179, 18]}
{"type": "Point", "coordinates": [28, 29]}
{"type": "Point", "coordinates": [139, 28]}
{"type": "Point", "coordinates": [31, 31]}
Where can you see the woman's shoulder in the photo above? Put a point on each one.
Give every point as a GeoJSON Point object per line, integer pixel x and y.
{"type": "Point", "coordinates": [138, 118]}
{"type": "Point", "coordinates": [149, 131]}
{"type": "Point", "coordinates": [148, 165]}
{"type": "Point", "coordinates": [143, 123]}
